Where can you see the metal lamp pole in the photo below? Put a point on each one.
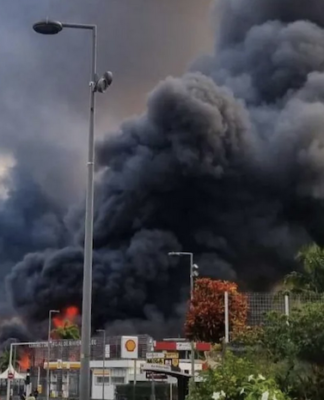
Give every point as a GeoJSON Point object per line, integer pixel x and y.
{"type": "Point", "coordinates": [48, 386]}
{"type": "Point", "coordinates": [96, 85]}
{"type": "Point", "coordinates": [193, 273]}
{"type": "Point", "coordinates": [10, 366]}
{"type": "Point", "coordinates": [103, 361]}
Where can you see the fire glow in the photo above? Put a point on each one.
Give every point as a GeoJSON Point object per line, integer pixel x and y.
{"type": "Point", "coordinates": [24, 362]}
{"type": "Point", "coordinates": [68, 316]}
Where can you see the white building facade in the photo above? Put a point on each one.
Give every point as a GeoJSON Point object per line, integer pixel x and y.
{"type": "Point", "coordinates": [124, 358]}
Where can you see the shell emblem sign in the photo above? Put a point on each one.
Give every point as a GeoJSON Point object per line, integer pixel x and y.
{"type": "Point", "coordinates": [129, 347]}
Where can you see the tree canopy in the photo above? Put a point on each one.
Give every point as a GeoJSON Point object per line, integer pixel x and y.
{"type": "Point", "coordinates": [238, 378]}
{"type": "Point", "coordinates": [5, 357]}
{"type": "Point", "coordinates": [311, 278]}
{"type": "Point", "coordinates": [205, 317]}
{"type": "Point", "coordinates": [283, 358]}
{"type": "Point", "coordinates": [67, 331]}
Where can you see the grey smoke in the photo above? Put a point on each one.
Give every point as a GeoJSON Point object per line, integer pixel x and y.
{"type": "Point", "coordinates": [226, 162]}
{"type": "Point", "coordinates": [13, 330]}
{"type": "Point", "coordinates": [44, 103]}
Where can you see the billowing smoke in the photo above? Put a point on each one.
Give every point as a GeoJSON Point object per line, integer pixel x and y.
{"type": "Point", "coordinates": [44, 105]}
{"type": "Point", "coordinates": [13, 330]}
{"type": "Point", "coordinates": [227, 162]}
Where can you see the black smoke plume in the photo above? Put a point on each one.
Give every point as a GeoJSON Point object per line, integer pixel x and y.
{"type": "Point", "coordinates": [227, 162]}
{"type": "Point", "coordinates": [44, 107]}
{"type": "Point", "coordinates": [13, 330]}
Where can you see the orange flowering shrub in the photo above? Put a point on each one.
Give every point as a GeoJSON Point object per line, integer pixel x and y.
{"type": "Point", "coordinates": [205, 320]}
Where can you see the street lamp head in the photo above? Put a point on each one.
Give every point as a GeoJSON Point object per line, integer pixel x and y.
{"type": "Point", "coordinates": [104, 82]}
{"type": "Point", "coordinates": [172, 253]}
{"type": "Point", "coordinates": [54, 311]}
{"type": "Point", "coordinates": [48, 27]}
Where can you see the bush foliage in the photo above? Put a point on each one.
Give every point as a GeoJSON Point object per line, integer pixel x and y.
{"type": "Point", "coordinates": [205, 317]}
{"type": "Point", "coordinates": [280, 360]}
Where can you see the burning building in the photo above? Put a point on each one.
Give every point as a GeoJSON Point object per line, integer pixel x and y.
{"type": "Point", "coordinates": [64, 363]}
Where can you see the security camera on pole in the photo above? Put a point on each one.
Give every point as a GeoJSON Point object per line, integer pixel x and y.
{"type": "Point", "coordinates": [194, 273]}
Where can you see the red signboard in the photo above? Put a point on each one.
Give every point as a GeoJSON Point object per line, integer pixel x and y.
{"type": "Point", "coordinates": [172, 346]}
{"type": "Point", "coordinates": [11, 375]}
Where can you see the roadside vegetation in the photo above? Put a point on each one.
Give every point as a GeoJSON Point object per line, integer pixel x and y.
{"type": "Point", "coordinates": [280, 359]}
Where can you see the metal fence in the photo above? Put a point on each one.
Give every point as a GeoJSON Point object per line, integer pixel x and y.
{"type": "Point", "coordinates": [260, 304]}
{"type": "Point", "coordinates": [70, 349]}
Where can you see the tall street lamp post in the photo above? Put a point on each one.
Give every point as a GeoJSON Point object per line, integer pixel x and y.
{"type": "Point", "coordinates": [48, 385]}
{"type": "Point", "coordinates": [100, 85]}
{"type": "Point", "coordinates": [11, 367]}
{"type": "Point", "coordinates": [193, 274]}
{"type": "Point", "coordinates": [103, 360]}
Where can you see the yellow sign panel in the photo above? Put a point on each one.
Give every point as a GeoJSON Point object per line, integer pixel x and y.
{"type": "Point", "coordinates": [172, 362]}
{"type": "Point", "coordinates": [63, 365]}
{"type": "Point", "coordinates": [156, 361]}
{"type": "Point", "coordinates": [172, 355]}
{"type": "Point", "coordinates": [175, 362]}
{"type": "Point", "coordinates": [100, 372]}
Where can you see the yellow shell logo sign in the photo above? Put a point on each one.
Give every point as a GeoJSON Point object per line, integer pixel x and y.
{"type": "Point", "coordinates": [130, 345]}
{"type": "Point", "coordinates": [175, 362]}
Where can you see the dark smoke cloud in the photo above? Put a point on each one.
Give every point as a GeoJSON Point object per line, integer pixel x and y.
{"type": "Point", "coordinates": [13, 330]}
{"type": "Point", "coordinates": [28, 209]}
{"type": "Point", "coordinates": [226, 162]}
{"type": "Point", "coordinates": [44, 103]}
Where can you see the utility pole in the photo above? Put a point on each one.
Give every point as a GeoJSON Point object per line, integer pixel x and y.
{"type": "Point", "coordinates": [193, 274]}
{"type": "Point", "coordinates": [103, 361]}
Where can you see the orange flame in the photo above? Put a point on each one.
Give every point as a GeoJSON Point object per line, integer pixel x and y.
{"type": "Point", "coordinates": [24, 362]}
{"type": "Point", "coordinates": [67, 316]}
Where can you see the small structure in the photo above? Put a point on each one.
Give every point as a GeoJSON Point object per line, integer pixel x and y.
{"type": "Point", "coordinates": [10, 373]}
{"type": "Point", "coordinates": [15, 381]}
{"type": "Point", "coordinates": [182, 377]}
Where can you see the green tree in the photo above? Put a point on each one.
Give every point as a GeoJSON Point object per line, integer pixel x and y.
{"type": "Point", "coordinates": [288, 351]}
{"type": "Point", "coordinates": [67, 331]}
{"type": "Point", "coordinates": [4, 360]}
{"type": "Point", "coordinates": [311, 278]}
{"type": "Point", "coordinates": [307, 332]}
{"type": "Point", "coordinates": [293, 349]}
{"type": "Point", "coordinates": [237, 378]}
